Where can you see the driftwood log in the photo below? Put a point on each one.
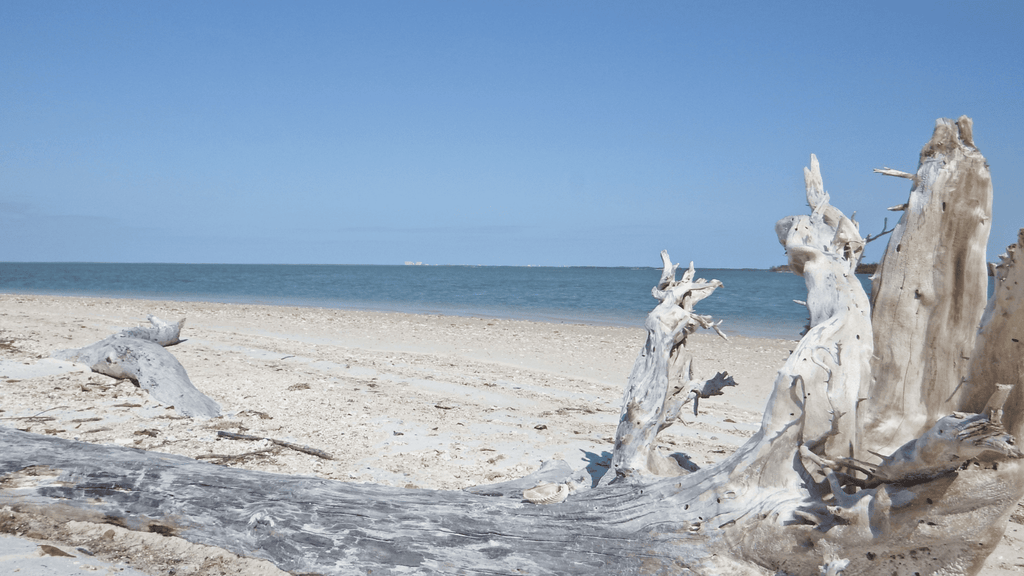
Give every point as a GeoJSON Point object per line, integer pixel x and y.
{"type": "Point", "coordinates": [138, 354]}
{"type": "Point", "coordinates": [822, 487]}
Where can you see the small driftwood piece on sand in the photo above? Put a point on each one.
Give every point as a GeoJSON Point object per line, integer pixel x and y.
{"type": "Point", "coordinates": [138, 354]}
{"type": "Point", "coordinates": [821, 488]}
{"type": "Point", "coordinates": [298, 447]}
{"type": "Point", "coordinates": [225, 458]}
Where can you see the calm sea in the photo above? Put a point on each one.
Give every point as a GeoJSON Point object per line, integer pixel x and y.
{"type": "Point", "coordinates": [752, 303]}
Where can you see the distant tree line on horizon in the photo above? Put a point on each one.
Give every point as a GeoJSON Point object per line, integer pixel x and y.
{"type": "Point", "coordinates": [865, 268]}
{"type": "Point", "coordinates": [862, 268]}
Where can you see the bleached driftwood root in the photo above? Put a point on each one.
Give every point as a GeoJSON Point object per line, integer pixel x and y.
{"type": "Point", "coordinates": [817, 490]}
{"type": "Point", "coordinates": [138, 354]}
{"type": "Point", "coordinates": [649, 406]}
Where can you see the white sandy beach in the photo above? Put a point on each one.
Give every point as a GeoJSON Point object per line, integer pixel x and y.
{"type": "Point", "coordinates": [406, 400]}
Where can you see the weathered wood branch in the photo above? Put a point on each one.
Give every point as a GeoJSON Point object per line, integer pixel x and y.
{"type": "Point", "coordinates": [885, 230]}
{"type": "Point", "coordinates": [284, 443]}
{"type": "Point", "coordinates": [138, 354]}
{"type": "Point", "coordinates": [648, 407]}
{"type": "Point", "coordinates": [894, 172]}
{"type": "Point", "coordinates": [689, 391]}
{"type": "Point", "coordinates": [953, 441]}
{"type": "Point", "coordinates": [821, 488]}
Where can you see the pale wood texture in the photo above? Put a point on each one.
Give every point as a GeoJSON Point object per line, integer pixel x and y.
{"type": "Point", "coordinates": [930, 289]}
{"type": "Point", "coordinates": [999, 350]}
{"type": "Point", "coordinates": [825, 247]}
{"type": "Point", "coordinates": [138, 354]}
{"type": "Point", "coordinates": [648, 407]}
{"type": "Point", "coordinates": [311, 525]}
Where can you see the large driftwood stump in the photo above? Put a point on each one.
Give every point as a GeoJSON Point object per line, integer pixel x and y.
{"type": "Point", "coordinates": [819, 489]}
{"type": "Point", "coordinates": [930, 289]}
{"type": "Point", "coordinates": [138, 354]}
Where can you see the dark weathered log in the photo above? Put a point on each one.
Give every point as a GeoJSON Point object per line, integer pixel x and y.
{"type": "Point", "coordinates": [138, 354]}
{"type": "Point", "coordinates": [305, 524]}
{"type": "Point", "coordinates": [818, 489]}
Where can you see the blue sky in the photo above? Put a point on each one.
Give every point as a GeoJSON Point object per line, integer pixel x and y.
{"type": "Point", "coordinates": [515, 133]}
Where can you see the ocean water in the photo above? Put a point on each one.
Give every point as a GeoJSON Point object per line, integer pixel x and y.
{"type": "Point", "coordinates": [751, 303]}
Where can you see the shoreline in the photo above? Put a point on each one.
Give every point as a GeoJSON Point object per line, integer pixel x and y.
{"type": "Point", "coordinates": [420, 310]}
{"type": "Point", "coordinates": [756, 303]}
{"type": "Point", "coordinates": [506, 376]}
{"type": "Point", "coordinates": [746, 330]}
